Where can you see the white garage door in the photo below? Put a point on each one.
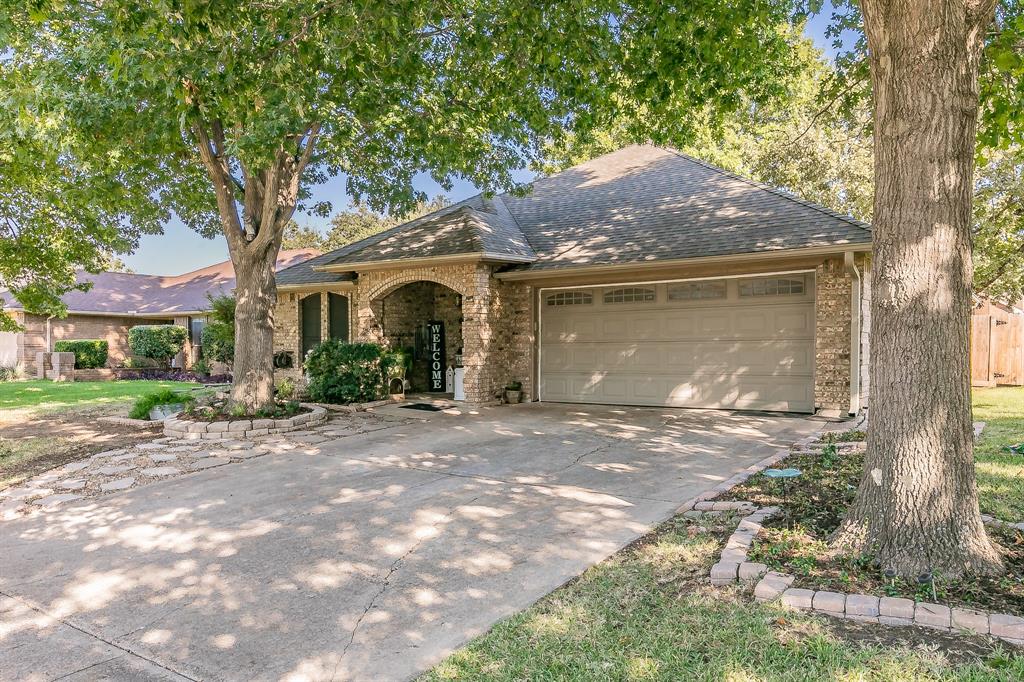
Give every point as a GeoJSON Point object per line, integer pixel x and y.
{"type": "Point", "coordinates": [729, 343]}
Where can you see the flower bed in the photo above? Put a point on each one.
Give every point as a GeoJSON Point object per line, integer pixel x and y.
{"type": "Point", "coordinates": [794, 539]}
{"type": "Point", "coordinates": [217, 426]}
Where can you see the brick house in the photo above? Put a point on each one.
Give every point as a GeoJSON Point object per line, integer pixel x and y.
{"type": "Point", "coordinates": [642, 277]}
{"type": "Point", "coordinates": [119, 301]}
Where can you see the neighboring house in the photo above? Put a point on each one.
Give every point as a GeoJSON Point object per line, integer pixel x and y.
{"type": "Point", "coordinates": [118, 301]}
{"type": "Point", "coordinates": [997, 343]}
{"type": "Point", "coordinates": [642, 277]}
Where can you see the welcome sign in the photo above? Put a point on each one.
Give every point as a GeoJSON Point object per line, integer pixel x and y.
{"type": "Point", "coordinates": [435, 356]}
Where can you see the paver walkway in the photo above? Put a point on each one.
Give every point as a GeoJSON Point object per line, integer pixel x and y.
{"type": "Point", "coordinates": [363, 556]}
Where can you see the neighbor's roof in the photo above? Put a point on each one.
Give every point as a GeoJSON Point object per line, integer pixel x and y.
{"type": "Point", "coordinates": [120, 293]}
{"type": "Point", "coordinates": [637, 205]}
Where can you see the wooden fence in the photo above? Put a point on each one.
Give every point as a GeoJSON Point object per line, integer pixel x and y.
{"type": "Point", "coordinates": [997, 348]}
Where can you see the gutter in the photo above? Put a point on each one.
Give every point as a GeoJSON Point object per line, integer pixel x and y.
{"type": "Point", "coordinates": [855, 298]}
{"type": "Point", "coordinates": [569, 270]}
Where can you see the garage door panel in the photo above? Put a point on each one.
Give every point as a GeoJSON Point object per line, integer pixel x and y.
{"type": "Point", "coordinates": [735, 353]}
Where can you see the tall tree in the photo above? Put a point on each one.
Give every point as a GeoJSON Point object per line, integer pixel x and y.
{"type": "Point", "coordinates": [266, 99]}
{"type": "Point", "coordinates": [798, 141]}
{"type": "Point", "coordinates": [917, 506]}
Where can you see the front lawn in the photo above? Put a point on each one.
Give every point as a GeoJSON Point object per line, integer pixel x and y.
{"type": "Point", "coordinates": [52, 396]}
{"type": "Point", "coordinates": [648, 613]}
{"type": "Point", "coordinates": [1000, 473]}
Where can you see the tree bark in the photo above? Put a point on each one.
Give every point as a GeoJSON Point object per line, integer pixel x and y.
{"type": "Point", "coordinates": [255, 298]}
{"type": "Point", "coordinates": [268, 197]}
{"type": "Point", "coordinates": [917, 505]}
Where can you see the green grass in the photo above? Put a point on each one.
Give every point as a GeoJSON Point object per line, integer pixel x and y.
{"type": "Point", "coordinates": [648, 614]}
{"type": "Point", "coordinates": [52, 396]}
{"type": "Point", "coordinates": [1000, 473]}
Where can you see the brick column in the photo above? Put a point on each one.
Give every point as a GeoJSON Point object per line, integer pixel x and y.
{"type": "Point", "coordinates": [833, 291]}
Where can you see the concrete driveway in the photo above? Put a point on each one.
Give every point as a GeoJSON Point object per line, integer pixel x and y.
{"type": "Point", "coordinates": [363, 557]}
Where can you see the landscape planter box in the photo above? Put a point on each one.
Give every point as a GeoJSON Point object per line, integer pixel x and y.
{"type": "Point", "coordinates": [243, 428]}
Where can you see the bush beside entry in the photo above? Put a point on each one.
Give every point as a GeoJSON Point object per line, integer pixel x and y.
{"type": "Point", "coordinates": [157, 341]}
{"type": "Point", "coordinates": [351, 372]}
{"type": "Point", "coordinates": [89, 353]}
{"type": "Point", "coordinates": [218, 336]}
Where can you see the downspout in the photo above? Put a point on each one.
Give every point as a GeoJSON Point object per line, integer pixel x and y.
{"type": "Point", "coordinates": [855, 296]}
{"type": "Point", "coordinates": [49, 346]}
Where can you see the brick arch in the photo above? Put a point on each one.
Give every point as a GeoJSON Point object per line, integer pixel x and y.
{"type": "Point", "coordinates": [400, 280]}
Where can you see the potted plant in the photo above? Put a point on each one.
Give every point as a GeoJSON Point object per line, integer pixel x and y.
{"type": "Point", "coordinates": [513, 392]}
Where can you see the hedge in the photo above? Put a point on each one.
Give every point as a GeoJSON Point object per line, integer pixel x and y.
{"type": "Point", "coordinates": [342, 372]}
{"type": "Point", "coordinates": [157, 341]}
{"type": "Point", "coordinates": [89, 353]}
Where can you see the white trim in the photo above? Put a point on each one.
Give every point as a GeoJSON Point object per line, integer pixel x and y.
{"type": "Point", "coordinates": [855, 298]}
{"type": "Point", "coordinates": [739, 258]}
{"type": "Point", "coordinates": [682, 279]}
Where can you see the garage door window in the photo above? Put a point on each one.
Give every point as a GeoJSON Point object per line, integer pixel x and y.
{"type": "Point", "coordinates": [773, 286]}
{"type": "Point", "coordinates": [629, 295]}
{"type": "Point", "coordinates": [692, 291]}
{"type": "Point", "coordinates": [570, 298]}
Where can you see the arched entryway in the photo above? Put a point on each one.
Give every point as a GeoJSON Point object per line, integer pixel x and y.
{"type": "Point", "coordinates": [425, 318]}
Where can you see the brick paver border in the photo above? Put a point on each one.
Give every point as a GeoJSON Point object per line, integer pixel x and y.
{"type": "Point", "coordinates": [771, 586]}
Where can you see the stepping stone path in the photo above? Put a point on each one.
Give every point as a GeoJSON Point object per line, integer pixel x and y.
{"type": "Point", "coordinates": [105, 472]}
{"type": "Point", "coordinates": [56, 500]}
{"type": "Point", "coordinates": [114, 469]}
{"type": "Point", "coordinates": [119, 484]}
{"type": "Point", "coordinates": [160, 471]}
{"type": "Point", "coordinates": [209, 463]}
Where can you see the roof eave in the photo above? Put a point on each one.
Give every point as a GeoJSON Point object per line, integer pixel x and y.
{"type": "Point", "coordinates": [546, 273]}
{"type": "Point", "coordinates": [345, 285]}
{"type": "Point", "coordinates": [426, 260]}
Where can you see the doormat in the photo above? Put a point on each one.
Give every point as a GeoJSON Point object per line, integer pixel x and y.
{"type": "Point", "coordinates": [422, 406]}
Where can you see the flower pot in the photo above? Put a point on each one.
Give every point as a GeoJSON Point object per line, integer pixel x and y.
{"type": "Point", "coordinates": [513, 397]}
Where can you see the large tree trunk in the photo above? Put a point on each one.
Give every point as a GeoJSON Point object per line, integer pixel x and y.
{"type": "Point", "coordinates": [268, 197]}
{"type": "Point", "coordinates": [917, 505]}
{"type": "Point", "coordinates": [255, 297]}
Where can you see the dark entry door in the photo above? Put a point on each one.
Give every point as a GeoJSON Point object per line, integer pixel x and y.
{"type": "Point", "coordinates": [338, 307]}
{"type": "Point", "coordinates": [310, 323]}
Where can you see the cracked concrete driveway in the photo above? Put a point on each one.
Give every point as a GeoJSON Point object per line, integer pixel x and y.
{"type": "Point", "coordinates": [366, 557]}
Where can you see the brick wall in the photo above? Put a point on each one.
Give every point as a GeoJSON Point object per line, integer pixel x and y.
{"type": "Point", "coordinates": [112, 329]}
{"type": "Point", "coordinates": [496, 329]}
{"type": "Point", "coordinates": [832, 337]}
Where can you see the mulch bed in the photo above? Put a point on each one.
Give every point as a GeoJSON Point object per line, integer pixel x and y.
{"type": "Point", "coordinates": [796, 540]}
{"type": "Point", "coordinates": [206, 414]}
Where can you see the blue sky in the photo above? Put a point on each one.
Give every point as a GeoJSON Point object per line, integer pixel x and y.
{"type": "Point", "coordinates": [180, 250]}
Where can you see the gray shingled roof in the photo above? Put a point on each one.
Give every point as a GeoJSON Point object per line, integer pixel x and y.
{"type": "Point", "coordinates": [645, 203]}
{"type": "Point", "coordinates": [474, 226]}
{"type": "Point", "coordinates": [639, 204]}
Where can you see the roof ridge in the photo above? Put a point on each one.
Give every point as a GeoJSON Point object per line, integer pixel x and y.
{"type": "Point", "coordinates": [774, 190]}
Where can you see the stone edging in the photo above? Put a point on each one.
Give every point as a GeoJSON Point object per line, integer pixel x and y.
{"type": "Point", "coordinates": [243, 428]}
{"type": "Point", "coordinates": [128, 421]}
{"type": "Point", "coordinates": [733, 567]}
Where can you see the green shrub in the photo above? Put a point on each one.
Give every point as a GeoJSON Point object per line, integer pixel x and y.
{"type": "Point", "coordinates": [342, 372]}
{"type": "Point", "coordinates": [157, 341]}
{"type": "Point", "coordinates": [89, 353]}
{"type": "Point", "coordinates": [166, 397]}
{"type": "Point", "coordinates": [218, 337]}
